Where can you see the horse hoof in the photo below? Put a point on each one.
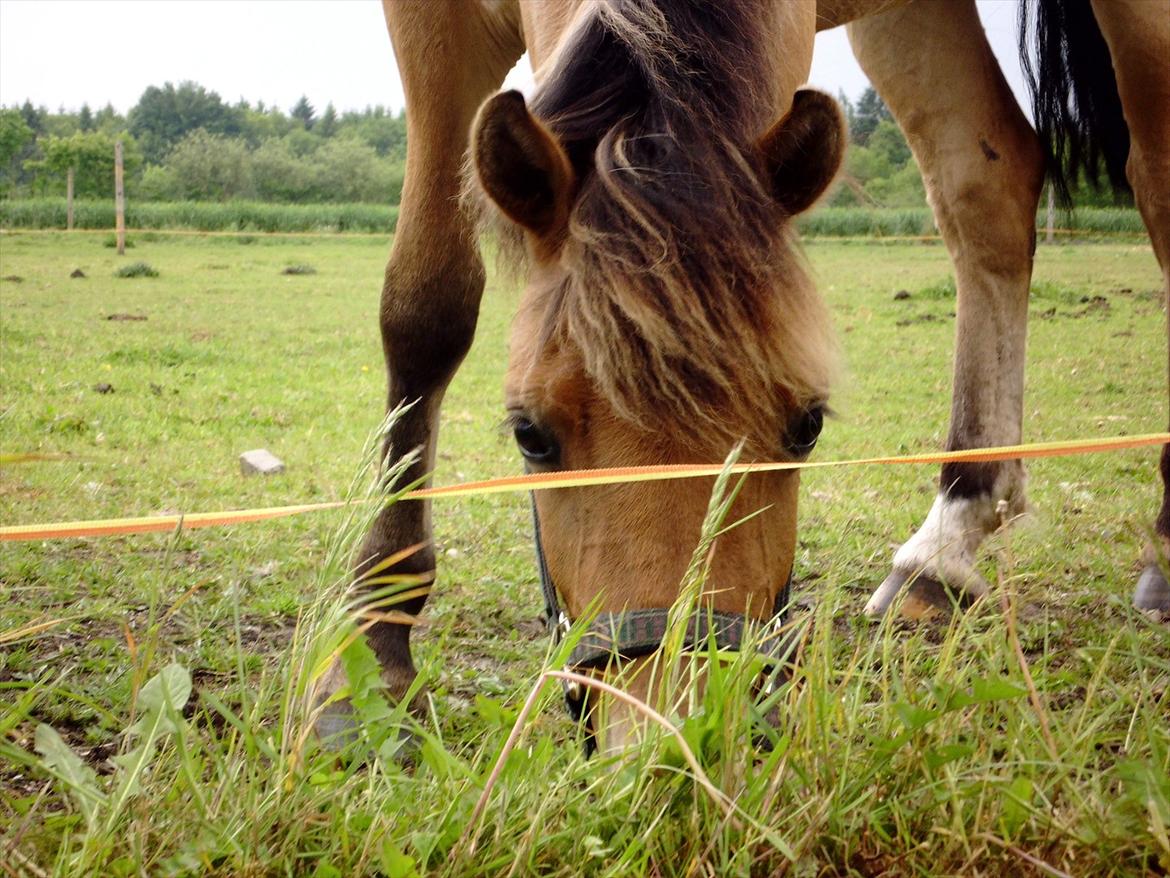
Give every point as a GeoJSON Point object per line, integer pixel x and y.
{"type": "Point", "coordinates": [339, 730]}
{"type": "Point", "coordinates": [1153, 591]}
{"type": "Point", "coordinates": [881, 599]}
{"type": "Point", "coordinates": [926, 597]}
{"type": "Point", "coordinates": [336, 727]}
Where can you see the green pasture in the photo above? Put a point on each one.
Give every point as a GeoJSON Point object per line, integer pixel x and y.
{"type": "Point", "coordinates": [898, 749]}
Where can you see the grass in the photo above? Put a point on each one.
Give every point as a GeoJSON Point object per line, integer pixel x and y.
{"type": "Point", "coordinates": [249, 216]}
{"type": "Point", "coordinates": [908, 749]}
{"type": "Point", "coordinates": [137, 269]}
{"type": "Point", "coordinates": [233, 216]}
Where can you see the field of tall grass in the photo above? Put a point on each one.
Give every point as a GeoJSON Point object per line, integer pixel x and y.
{"type": "Point", "coordinates": [154, 709]}
{"type": "Point", "coordinates": [250, 216]}
{"type": "Point", "coordinates": [232, 216]}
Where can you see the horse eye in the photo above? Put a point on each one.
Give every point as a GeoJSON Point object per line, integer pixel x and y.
{"type": "Point", "coordinates": [535, 444]}
{"type": "Point", "coordinates": [803, 430]}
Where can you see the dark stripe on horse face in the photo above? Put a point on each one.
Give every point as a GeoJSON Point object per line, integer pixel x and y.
{"type": "Point", "coordinates": [968, 480]}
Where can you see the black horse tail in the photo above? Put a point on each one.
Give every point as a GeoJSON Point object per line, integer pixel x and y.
{"type": "Point", "coordinates": [1075, 105]}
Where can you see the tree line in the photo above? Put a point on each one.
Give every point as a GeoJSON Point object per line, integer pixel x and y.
{"type": "Point", "coordinates": [185, 143]}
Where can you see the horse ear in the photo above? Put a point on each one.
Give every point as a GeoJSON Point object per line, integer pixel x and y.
{"type": "Point", "coordinates": [802, 152]}
{"type": "Point", "coordinates": [520, 165]}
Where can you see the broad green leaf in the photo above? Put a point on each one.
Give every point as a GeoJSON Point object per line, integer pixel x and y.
{"type": "Point", "coordinates": [66, 765]}
{"type": "Point", "coordinates": [936, 757]}
{"type": "Point", "coordinates": [166, 694]}
{"type": "Point", "coordinates": [160, 700]}
{"type": "Point", "coordinates": [914, 717]}
{"type": "Point", "coordinates": [1147, 787]}
{"type": "Point", "coordinates": [1017, 803]}
{"type": "Point", "coordinates": [395, 863]}
{"type": "Point", "coordinates": [994, 689]}
{"type": "Point", "coordinates": [366, 687]}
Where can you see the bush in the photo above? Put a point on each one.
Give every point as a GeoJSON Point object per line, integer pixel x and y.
{"type": "Point", "coordinates": [157, 184]}
{"type": "Point", "coordinates": [137, 269]}
{"type": "Point", "coordinates": [210, 167]}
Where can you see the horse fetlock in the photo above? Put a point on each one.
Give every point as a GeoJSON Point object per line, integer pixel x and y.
{"type": "Point", "coordinates": [944, 549]}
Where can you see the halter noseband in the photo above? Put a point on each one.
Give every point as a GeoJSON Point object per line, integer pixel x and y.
{"type": "Point", "coordinates": [636, 633]}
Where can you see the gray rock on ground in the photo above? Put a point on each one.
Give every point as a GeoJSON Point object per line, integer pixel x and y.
{"type": "Point", "coordinates": [260, 461]}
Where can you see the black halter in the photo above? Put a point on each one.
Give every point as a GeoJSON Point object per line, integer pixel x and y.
{"type": "Point", "coordinates": [636, 633]}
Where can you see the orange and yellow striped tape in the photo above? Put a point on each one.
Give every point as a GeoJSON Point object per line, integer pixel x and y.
{"type": "Point", "coordinates": [567, 479]}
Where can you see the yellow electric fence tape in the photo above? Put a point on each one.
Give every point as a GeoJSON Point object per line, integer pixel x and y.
{"type": "Point", "coordinates": [568, 479]}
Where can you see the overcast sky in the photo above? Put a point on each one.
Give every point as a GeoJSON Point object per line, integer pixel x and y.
{"type": "Point", "coordinates": [63, 53]}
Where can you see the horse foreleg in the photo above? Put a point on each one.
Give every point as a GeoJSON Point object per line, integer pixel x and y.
{"type": "Point", "coordinates": [1138, 35]}
{"type": "Point", "coordinates": [450, 55]}
{"type": "Point", "coordinates": [983, 169]}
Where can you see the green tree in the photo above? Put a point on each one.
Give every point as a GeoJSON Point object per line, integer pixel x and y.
{"type": "Point", "coordinates": [349, 170]}
{"type": "Point", "coordinates": [85, 118]}
{"type": "Point", "coordinates": [870, 111]}
{"type": "Point", "coordinates": [15, 138]}
{"type": "Point", "coordinates": [381, 130]}
{"type": "Point", "coordinates": [211, 167]}
{"type": "Point", "coordinates": [847, 109]}
{"type": "Point", "coordinates": [279, 174]}
{"type": "Point", "coordinates": [326, 126]}
{"type": "Point", "coordinates": [32, 117]}
{"type": "Point", "coordinates": [888, 141]}
{"type": "Point", "coordinates": [259, 124]}
{"type": "Point", "coordinates": [304, 112]}
{"type": "Point", "coordinates": [164, 116]}
{"type": "Point", "coordinates": [108, 119]}
{"type": "Point", "coordinates": [91, 155]}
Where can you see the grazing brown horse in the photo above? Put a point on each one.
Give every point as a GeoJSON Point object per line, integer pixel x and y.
{"type": "Point", "coordinates": [650, 186]}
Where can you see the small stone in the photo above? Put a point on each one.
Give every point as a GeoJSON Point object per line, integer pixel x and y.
{"type": "Point", "coordinates": [103, 387]}
{"type": "Point", "coordinates": [901, 295]}
{"type": "Point", "coordinates": [260, 461]}
{"type": "Point", "coordinates": [264, 571]}
{"type": "Point", "coordinates": [77, 272]}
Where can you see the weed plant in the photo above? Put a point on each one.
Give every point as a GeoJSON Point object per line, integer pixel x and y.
{"type": "Point", "coordinates": [137, 269]}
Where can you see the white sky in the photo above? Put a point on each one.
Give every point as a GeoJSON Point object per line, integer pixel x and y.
{"type": "Point", "coordinates": [63, 53]}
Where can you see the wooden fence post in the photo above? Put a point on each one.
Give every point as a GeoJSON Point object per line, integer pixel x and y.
{"type": "Point", "coordinates": [1051, 215]}
{"type": "Point", "coordinates": [119, 199]}
{"type": "Point", "coordinates": [69, 201]}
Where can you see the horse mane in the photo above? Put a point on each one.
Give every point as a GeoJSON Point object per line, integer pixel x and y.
{"type": "Point", "coordinates": [684, 291]}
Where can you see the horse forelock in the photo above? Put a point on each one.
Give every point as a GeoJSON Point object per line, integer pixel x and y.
{"type": "Point", "coordinates": [684, 292]}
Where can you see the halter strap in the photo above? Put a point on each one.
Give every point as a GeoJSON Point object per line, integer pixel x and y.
{"type": "Point", "coordinates": [635, 633]}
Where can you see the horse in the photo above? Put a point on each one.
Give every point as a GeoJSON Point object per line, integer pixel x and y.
{"type": "Point", "coordinates": [648, 187]}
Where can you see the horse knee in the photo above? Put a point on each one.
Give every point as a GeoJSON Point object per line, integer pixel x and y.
{"type": "Point", "coordinates": [428, 319]}
{"type": "Point", "coordinates": [992, 199]}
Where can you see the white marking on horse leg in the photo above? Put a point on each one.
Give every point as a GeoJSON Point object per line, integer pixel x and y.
{"type": "Point", "coordinates": [944, 548]}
